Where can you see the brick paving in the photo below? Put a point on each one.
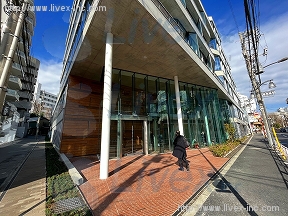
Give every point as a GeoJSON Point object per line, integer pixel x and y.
{"type": "Point", "coordinates": [145, 185]}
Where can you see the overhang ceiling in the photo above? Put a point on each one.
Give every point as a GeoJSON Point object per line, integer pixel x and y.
{"type": "Point", "coordinates": [140, 45]}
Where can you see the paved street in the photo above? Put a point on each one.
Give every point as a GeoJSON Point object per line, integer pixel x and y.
{"type": "Point", "coordinates": [12, 155]}
{"type": "Point", "coordinates": [23, 179]}
{"type": "Point", "coordinates": [255, 183]}
{"type": "Point", "coordinates": [283, 138]}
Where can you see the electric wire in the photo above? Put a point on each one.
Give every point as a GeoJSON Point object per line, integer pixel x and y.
{"type": "Point", "coordinates": [233, 14]}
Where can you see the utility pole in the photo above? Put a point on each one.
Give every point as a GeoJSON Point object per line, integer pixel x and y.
{"type": "Point", "coordinates": [252, 64]}
{"type": "Point", "coordinates": [9, 58]}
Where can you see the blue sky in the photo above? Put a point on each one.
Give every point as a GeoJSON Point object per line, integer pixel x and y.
{"type": "Point", "coordinates": [51, 29]}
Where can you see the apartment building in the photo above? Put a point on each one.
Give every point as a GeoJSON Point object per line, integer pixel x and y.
{"type": "Point", "coordinates": [45, 100]}
{"type": "Point", "coordinates": [22, 75]}
{"type": "Point", "coordinates": [136, 71]}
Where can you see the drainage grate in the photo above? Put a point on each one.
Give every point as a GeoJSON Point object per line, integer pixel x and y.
{"type": "Point", "coordinates": [67, 205]}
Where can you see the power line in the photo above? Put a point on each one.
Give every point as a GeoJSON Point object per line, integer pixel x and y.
{"type": "Point", "coordinates": [232, 11]}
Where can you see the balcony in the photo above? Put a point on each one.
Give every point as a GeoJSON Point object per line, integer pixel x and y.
{"type": "Point", "coordinates": [12, 95]}
{"type": "Point", "coordinates": [26, 105]}
{"type": "Point", "coordinates": [21, 46]}
{"type": "Point", "coordinates": [20, 57]}
{"type": "Point", "coordinates": [15, 83]}
{"type": "Point", "coordinates": [25, 95]}
{"type": "Point", "coordinates": [16, 70]}
{"type": "Point", "coordinates": [30, 23]}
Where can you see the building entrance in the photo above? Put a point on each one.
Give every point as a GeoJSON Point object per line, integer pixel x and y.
{"type": "Point", "coordinates": [133, 137]}
{"type": "Point", "coordinates": [127, 137]}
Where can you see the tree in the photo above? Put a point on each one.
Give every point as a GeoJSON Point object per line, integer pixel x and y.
{"type": "Point", "coordinates": [276, 120]}
{"type": "Point", "coordinates": [230, 131]}
{"type": "Point", "coordinates": [37, 108]}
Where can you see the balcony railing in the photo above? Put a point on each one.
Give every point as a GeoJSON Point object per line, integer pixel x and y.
{"type": "Point", "coordinates": [16, 80]}
{"type": "Point", "coordinates": [181, 32]}
{"type": "Point", "coordinates": [12, 93]}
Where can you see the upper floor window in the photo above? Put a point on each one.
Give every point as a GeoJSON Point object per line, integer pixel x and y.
{"type": "Point", "coordinates": [183, 2]}
{"type": "Point", "coordinates": [217, 63]}
{"type": "Point", "coordinates": [213, 44]}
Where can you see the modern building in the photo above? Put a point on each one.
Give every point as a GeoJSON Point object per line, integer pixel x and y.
{"type": "Point", "coordinates": [249, 106]}
{"type": "Point", "coordinates": [136, 71]}
{"type": "Point", "coordinates": [22, 75]}
{"type": "Point", "coordinates": [48, 99]}
{"type": "Point", "coordinates": [45, 100]}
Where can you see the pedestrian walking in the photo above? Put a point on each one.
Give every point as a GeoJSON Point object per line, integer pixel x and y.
{"type": "Point", "coordinates": [180, 145]}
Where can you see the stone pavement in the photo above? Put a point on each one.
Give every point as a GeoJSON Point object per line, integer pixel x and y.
{"type": "Point", "coordinates": [145, 185]}
{"type": "Point", "coordinates": [25, 192]}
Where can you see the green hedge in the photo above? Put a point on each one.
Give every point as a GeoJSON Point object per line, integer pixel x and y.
{"type": "Point", "coordinates": [59, 185]}
{"type": "Point", "coordinates": [220, 150]}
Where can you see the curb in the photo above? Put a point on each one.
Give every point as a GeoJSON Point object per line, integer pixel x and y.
{"type": "Point", "coordinates": [74, 174]}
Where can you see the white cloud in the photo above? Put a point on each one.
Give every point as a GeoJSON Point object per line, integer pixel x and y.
{"type": "Point", "coordinates": [49, 75]}
{"type": "Point", "coordinates": [275, 38]}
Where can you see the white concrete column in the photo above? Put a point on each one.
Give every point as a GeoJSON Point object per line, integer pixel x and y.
{"type": "Point", "coordinates": [105, 134]}
{"type": "Point", "coordinates": [145, 143]}
{"type": "Point", "coordinates": [178, 104]}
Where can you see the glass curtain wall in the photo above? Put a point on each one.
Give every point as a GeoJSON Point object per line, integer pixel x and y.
{"type": "Point", "coordinates": [203, 122]}
{"type": "Point", "coordinates": [138, 98]}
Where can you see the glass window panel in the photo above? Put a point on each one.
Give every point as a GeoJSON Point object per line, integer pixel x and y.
{"type": "Point", "coordinates": [115, 106]}
{"type": "Point", "coordinates": [139, 95]}
{"type": "Point", "coordinates": [217, 63]}
{"type": "Point", "coordinates": [152, 96]}
{"type": "Point", "coordinates": [126, 93]}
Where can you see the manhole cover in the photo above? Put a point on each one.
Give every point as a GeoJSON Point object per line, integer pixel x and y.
{"type": "Point", "coordinates": [67, 205]}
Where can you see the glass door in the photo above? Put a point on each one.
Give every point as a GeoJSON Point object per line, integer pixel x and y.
{"type": "Point", "coordinates": [133, 139]}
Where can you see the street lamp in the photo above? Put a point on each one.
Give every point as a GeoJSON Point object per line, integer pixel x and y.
{"type": "Point", "coordinates": [270, 86]}
{"type": "Point", "coordinates": [261, 68]}
{"type": "Point", "coordinates": [279, 61]}
{"type": "Point", "coordinates": [259, 96]}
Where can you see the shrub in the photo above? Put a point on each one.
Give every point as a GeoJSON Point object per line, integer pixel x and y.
{"type": "Point", "coordinates": [220, 150]}
{"type": "Point", "coordinates": [230, 130]}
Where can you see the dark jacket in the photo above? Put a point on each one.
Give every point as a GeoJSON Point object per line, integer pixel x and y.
{"type": "Point", "coordinates": [180, 146]}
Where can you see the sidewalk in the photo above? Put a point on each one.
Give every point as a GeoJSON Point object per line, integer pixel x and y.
{"type": "Point", "coordinates": [145, 185]}
{"type": "Point", "coordinates": [255, 183]}
{"type": "Point", "coordinates": [25, 192]}
{"type": "Point", "coordinates": [137, 185]}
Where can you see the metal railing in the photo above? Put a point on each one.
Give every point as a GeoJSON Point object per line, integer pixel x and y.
{"type": "Point", "coordinates": [180, 31]}
{"type": "Point", "coordinates": [13, 93]}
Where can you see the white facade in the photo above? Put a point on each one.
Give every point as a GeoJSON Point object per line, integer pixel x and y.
{"type": "Point", "coordinates": [248, 104]}
{"type": "Point", "coordinates": [46, 99]}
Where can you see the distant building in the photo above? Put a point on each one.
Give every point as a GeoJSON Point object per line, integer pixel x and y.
{"type": "Point", "coordinates": [44, 99]}
{"type": "Point", "coordinates": [283, 110]}
{"type": "Point", "coordinates": [250, 106]}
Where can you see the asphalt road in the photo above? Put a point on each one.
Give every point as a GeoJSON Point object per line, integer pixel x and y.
{"type": "Point", "coordinates": [255, 183]}
{"type": "Point", "coordinates": [12, 156]}
{"type": "Point", "coordinates": [283, 138]}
